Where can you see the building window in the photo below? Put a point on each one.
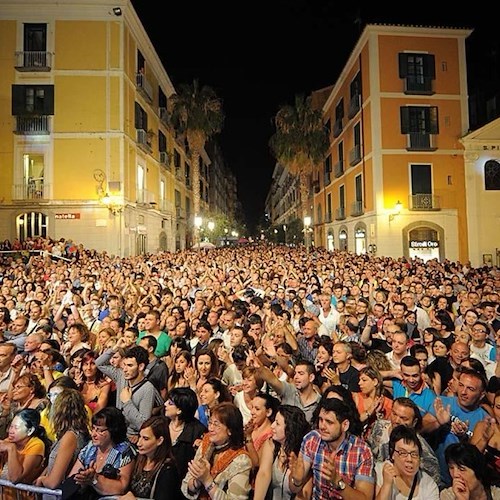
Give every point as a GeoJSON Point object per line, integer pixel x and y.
{"type": "Point", "coordinates": [418, 72]}
{"type": "Point", "coordinates": [492, 175]}
{"type": "Point", "coordinates": [32, 100]}
{"type": "Point", "coordinates": [339, 115]}
{"type": "Point", "coordinates": [419, 123]}
{"type": "Point", "coordinates": [355, 95]}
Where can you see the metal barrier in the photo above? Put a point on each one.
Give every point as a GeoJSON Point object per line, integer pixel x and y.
{"type": "Point", "coordinates": [38, 490]}
{"type": "Point", "coordinates": [37, 251]}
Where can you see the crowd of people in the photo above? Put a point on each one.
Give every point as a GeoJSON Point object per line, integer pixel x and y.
{"type": "Point", "coordinates": [256, 372]}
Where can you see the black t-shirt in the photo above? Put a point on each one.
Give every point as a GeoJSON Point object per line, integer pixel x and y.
{"type": "Point", "coordinates": [350, 379]}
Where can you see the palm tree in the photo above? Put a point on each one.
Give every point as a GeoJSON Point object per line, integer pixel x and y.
{"type": "Point", "coordinates": [300, 141]}
{"type": "Point", "coordinates": [196, 113]}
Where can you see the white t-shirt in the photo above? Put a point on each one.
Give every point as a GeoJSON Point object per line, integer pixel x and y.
{"type": "Point", "coordinates": [427, 487]}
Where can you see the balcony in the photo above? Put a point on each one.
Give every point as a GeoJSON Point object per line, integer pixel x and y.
{"type": "Point", "coordinates": [145, 197]}
{"type": "Point", "coordinates": [355, 155]}
{"type": "Point", "coordinates": [418, 84]}
{"type": "Point", "coordinates": [144, 87]}
{"type": "Point", "coordinates": [33, 189]}
{"type": "Point", "coordinates": [38, 60]}
{"type": "Point", "coordinates": [163, 115]}
{"type": "Point", "coordinates": [178, 174]}
{"type": "Point", "coordinates": [327, 178]}
{"type": "Point", "coordinates": [188, 182]}
{"type": "Point", "coordinates": [144, 140]}
{"type": "Point", "coordinates": [354, 105]}
{"type": "Point", "coordinates": [337, 127]}
{"type": "Point", "coordinates": [357, 208]}
{"type": "Point", "coordinates": [424, 202]}
{"type": "Point", "coordinates": [32, 125]}
{"type": "Point", "coordinates": [165, 160]}
{"type": "Point", "coordinates": [180, 213]}
{"type": "Point", "coordinates": [166, 206]}
{"type": "Point", "coordinates": [340, 213]}
{"type": "Point", "coordinates": [420, 141]}
{"type": "Point", "coordinates": [328, 218]}
{"type": "Point", "coordinates": [338, 169]}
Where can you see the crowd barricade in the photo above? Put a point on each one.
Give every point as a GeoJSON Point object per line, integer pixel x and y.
{"type": "Point", "coordinates": [37, 490]}
{"type": "Point", "coordinates": [21, 252]}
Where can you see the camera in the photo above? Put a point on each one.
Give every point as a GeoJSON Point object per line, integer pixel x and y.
{"type": "Point", "coordinates": [110, 472]}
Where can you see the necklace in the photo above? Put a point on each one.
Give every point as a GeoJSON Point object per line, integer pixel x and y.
{"type": "Point", "coordinates": [176, 429]}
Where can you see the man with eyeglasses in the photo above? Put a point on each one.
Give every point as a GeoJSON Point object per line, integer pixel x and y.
{"type": "Point", "coordinates": [479, 347]}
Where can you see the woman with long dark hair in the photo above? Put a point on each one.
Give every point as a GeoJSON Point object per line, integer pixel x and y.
{"type": "Point", "coordinates": [155, 473]}
{"type": "Point", "coordinates": [288, 429]}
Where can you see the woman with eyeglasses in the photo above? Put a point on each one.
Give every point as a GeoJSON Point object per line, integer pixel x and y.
{"type": "Point", "coordinates": [27, 392]}
{"type": "Point", "coordinates": [221, 467]}
{"type": "Point", "coordinates": [185, 430]}
{"type": "Point", "coordinates": [400, 477]}
{"type": "Point", "coordinates": [104, 466]}
{"type": "Point", "coordinates": [71, 427]}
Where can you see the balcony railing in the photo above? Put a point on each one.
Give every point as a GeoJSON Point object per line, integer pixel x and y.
{"type": "Point", "coordinates": [338, 169]}
{"type": "Point", "coordinates": [354, 105]}
{"type": "Point", "coordinates": [32, 125]}
{"type": "Point", "coordinates": [327, 178]}
{"type": "Point", "coordinates": [357, 208]}
{"type": "Point", "coordinates": [33, 60]}
{"type": "Point", "coordinates": [328, 217]}
{"type": "Point", "coordinates": [144, 87]}
{"type": "Point", "coordinates": [180, 213]}
{"type": "Point", "coordinates": [418, 84]}
{"type": "Point", "coordinates": [165, 160]}
{"type": "Point", "coordinates": [144, 140]}
{"type": "Point", "coordinates": [145, 197]}
{"type": "Point", "coordinates": [337, 127]}
{"type": "Point", "coordinates": [424, 202]}
{"type": "Point", "coordinates": [33, 189]}
{"type": "Point", "coordinates": [188, 182]}
{"type": "Point", "coordinates": [420, 141]}
{"type": "Point", "coordinates": [178, 174]}
{"type": "Point", "coordinates": [163, 115]}
{"type": "Point", "coordinates": [355, 155]}
{"type": "Point", "coordinates": [340, 213]}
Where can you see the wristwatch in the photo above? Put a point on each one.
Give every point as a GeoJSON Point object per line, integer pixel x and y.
{"type": "Point", "coordinates": [340, 486]}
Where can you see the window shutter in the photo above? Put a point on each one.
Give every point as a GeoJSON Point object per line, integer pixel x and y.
{"type": "Point", "coordinates": [138, 116]}
{"type": "Point", "coordinates": [403, 65]}
{"type": "Point", "coordinates": [48, 100]}
{"type": "Point", "coordinates": [18, 100]}
{"type": "Point", "coordinates": [433, 120]}
{"type": "Point", "coordinates": [405, 119]}
{"type": "Point", "coordinates": [430, 66]}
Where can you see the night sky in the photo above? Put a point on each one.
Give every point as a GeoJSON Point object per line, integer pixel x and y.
{"type": "Point", "coordinates": [257, 56]}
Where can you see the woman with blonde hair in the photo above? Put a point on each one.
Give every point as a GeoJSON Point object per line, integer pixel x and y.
{"type": "Point", "coordinates": [71, 426]}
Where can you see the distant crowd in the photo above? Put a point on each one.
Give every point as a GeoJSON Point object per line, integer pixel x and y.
{"type": "Point", "coordinates": [258, 372]}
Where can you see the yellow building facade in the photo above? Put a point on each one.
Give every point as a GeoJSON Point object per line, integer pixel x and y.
{"type": "Point", "coordinates": [85, 149]}
{"type": "Point", "coordinates": [394, 180]}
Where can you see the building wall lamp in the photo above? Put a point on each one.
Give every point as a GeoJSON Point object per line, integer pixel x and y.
{"type": "Point", "coordinates": [112, 204]}
{"type": "Point", "coordinates": [117, 11]}
{"type": "Point", "coordinates": [397, 211]}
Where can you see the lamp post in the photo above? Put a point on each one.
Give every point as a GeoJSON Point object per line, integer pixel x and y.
{"type": "Point", "coordinates": [397, 210]}
{"type": "Point", "coordinates": [307, 225]}
{"type": "Point", "coordinates": [198, 221]}
{"type": "Point", "coordinates": [284, 231]}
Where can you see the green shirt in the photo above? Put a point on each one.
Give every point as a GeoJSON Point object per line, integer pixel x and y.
{"type": "Point", "coordinates": [163, 345]}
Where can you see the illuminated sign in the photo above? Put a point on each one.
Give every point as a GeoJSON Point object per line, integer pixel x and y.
{"type": "Point", "coordinates": [67, 216]}
{"type": "Point", "coordinates": [424, 244]}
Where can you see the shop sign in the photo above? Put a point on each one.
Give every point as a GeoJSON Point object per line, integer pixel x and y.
{"type": "Point", "coordinates": [424, 244]}
{"type": "Point", "coordinates": [67, 216]}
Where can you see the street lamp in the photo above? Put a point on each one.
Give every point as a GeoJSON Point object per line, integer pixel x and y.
{"type": "Point", "coordinates": [307, 225]}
